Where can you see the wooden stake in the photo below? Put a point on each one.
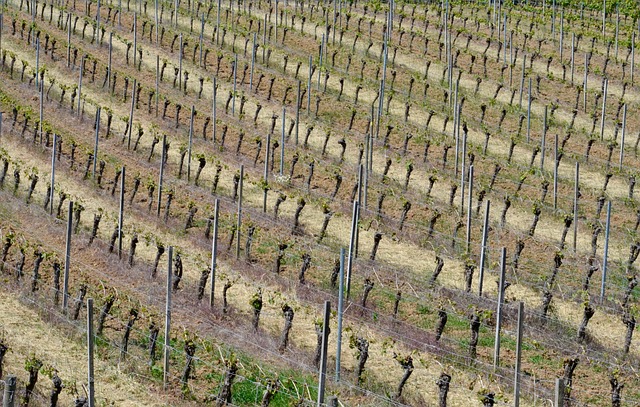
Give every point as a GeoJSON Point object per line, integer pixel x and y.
{"type": "Point", "coordinates": [68, 39]}
{"type": "Point", "coordinates": [235, 81]}
{"type": "Point", "coordinates": [553, 19]}
{"type": "Point", "coordinates": [37, 62]}
{"type": "Point", "coordinates": [157, 94]}
{"type": "Point", "coordinates": [264, 38]}
{"type": "Point", "coordinates": [575, 207]}
{"type": "Point", "coordinates": [80, 87]}
{"type": "Point", "coordinates": [380, 104]}
{"type": "Point", "coordinates": [253, 62]}
{"type": "Point", "coordinates": [201, 39]}
{"type": "Point", "coordinates": [469, 209]}
{"type": "Point", "coordinates": [214, 251]}
{"type": "Point", "coordinates": [511, 61]}
{"type": "Point", "coordinates": [350, 256]}
{"type": "Point", "coordinates": [67, 259]}
{"type": "Point", "coordinates": [367, 171]}
{"type": "Point", "coordinates": [555, 173]}
{"type": "Point", "coordinates": [41, 109]}
{"type": "Point", "coordinates": [214, 107]}
{"type": "Point", "coordinates": [135, 39]}
{"type": "Point", "coordinates": [267, 153]}
{"type": "Point", "coordinates": [335, 17]}
{"type": "Point", "coordinates": [606, 252]}
{"type": "Point", "coordinates": [370, 161]}
{"type": "Point", "coordinates": [622, 137]}
{"type": "Point", "coordinates": [504, 41]}
{"type": "Point", "coordinates": [190, 146]}
{"type": "Point", "coordinates": [359, 195]}
{"type": "Point", "coordinates": [90, 372]}
{"type": "Point", "coordinates": [167, 321]}
{"type": "Point", "coordinates": [9, 397]}
{"type": "Point", "coordinates": [133, 106]}
{"type": "Point", "coordinates": [529, 113]}
{"type": "Point", "coordinates": [496, 349]}
{"type": "Point", "coordinates": [633, 55]}
{"type": "Point", "coordinates": [483, 252]}
{"type": "Point", "coordinates": [340, 315]}
{"type": "Point", "coordinates": [320, 61]}
{"type": "Point", "coordinates": [456, 136]}
{"type": "Point", "coordinates": [617, 30]}
{"type": "Point", "coordinates": [604, 108]}
{"type": "Point", "coordinates": [543, 140]}
{"type": "Point", "coordinates": [95, 147]}
{"type": "Point", "coordinates": [175, 12]}
{"type": "Point", "coordinates": [218, 24]}
{"type": "Point", "coordinates": [284, 112]}
{"type": "Point", "coordinates": [180, 58]}
{"type": "Point", "coordinates": [561, 34]}
{"type": "Point", "coordinates": [298, 102]}
{"type": "Point", "coordinates": [463, 172]}
{"type": "Point", "coordinates": [495, 16]}
{"type": "Point", "coordinates": [383, 82]}
{"type": "Point", "coordinates": [53, 172]}
{"type": "Point", "coordinates": [160, 178]}
{"type": "Point", "coordinates": [586, 76]}
{"type": "Point", "coordinates": [121, 212]}
{"type": "Point", "coordinates": [323, 354]}
{"type": "Point", "coordinates": [524, 63]}
{"type": "Point", "coordinates": [516, 384]}
{"type": "Point", "coordinates": [239, 224]}
{"type": "Point", "coordinates": [309, 86]}
{"type": "Point", "coordinates": [559, 393]}
{"type": "Point", "coordinates": [1, 27]}
{"type": "Point", "coordinates": [604, 16]}
{"type": "Point", "coordinates": [573, 56]}
{"type": "Point", "coordinates": [157, 24]}
{"type": "Point", "coordinates": [109, 72]}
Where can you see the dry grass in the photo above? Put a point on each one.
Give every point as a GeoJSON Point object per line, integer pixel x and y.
{"type": "Point", "coordinates": [407, 256]}
{"type": "Point", "coordinates": [27, 333]}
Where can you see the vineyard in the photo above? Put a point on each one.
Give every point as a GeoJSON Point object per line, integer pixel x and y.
{"type": "Point", "coordinates": [341, 203]}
